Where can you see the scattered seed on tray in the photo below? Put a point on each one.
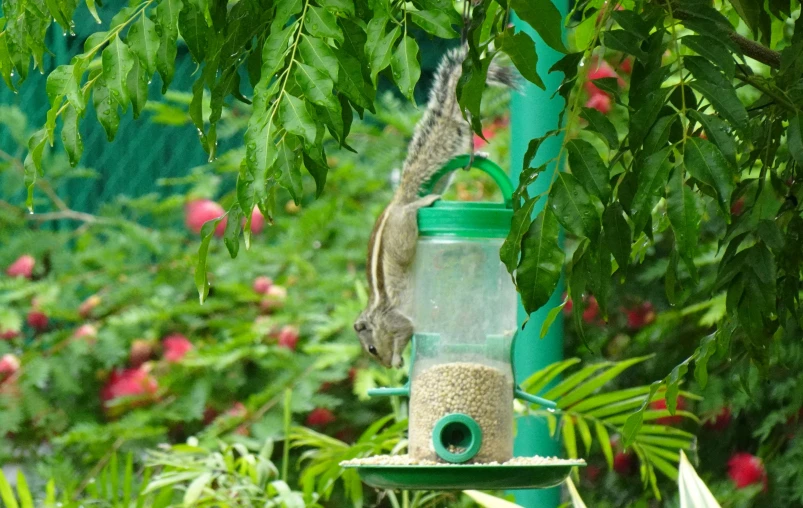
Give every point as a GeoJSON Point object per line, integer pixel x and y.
{"type": "Point", "coordinates": [406, 460]}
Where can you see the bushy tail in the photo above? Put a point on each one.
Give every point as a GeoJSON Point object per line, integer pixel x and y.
{"type": "Point", "coordinates": [443, 133]}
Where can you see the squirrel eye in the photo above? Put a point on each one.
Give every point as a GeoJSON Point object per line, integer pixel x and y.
{"type": "Point", "coordinates": [372, 350]}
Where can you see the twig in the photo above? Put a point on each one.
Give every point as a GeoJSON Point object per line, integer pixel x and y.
{"type": "Point", "coordinates": [66, 214]}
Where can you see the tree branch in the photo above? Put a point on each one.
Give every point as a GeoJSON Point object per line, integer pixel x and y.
{"type": "Point", "coordinates": [749, 47]}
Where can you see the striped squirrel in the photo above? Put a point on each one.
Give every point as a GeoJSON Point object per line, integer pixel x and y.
{"type": "Point", "coordinates": [442, 133]}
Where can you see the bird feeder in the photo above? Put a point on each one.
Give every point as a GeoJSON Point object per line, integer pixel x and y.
{"type": "Point", "coordinates": [461, 383]}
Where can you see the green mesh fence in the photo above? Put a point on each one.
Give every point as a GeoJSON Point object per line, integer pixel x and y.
{"type": "Point", "coordinates": [142, 151]}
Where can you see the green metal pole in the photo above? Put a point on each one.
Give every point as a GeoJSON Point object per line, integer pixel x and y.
{"type": "Point", "coordinates": [533, 113]}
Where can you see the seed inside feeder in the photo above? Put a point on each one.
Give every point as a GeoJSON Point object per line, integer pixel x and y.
{"type": "Point", "coordinates": [482, 392]}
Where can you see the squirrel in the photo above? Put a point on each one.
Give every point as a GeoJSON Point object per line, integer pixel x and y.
{"type": "Point", "coordinates": [442, 133]}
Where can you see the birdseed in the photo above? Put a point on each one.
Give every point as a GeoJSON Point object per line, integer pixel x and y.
{"type": "Point", "coordinates": [484, 393]}
{"type": "Point", "coordinates": [407, 460]}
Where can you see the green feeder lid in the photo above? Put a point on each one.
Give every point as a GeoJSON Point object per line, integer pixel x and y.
{"type": "Point", "coordinates": [468, 220]}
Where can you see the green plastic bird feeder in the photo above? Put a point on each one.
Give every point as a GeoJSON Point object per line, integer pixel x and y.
{"type": "Point", "coordinates": [461, 380]}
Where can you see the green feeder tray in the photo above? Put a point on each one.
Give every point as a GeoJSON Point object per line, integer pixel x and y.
{"type": "Point", "coordinates": [462, 477]}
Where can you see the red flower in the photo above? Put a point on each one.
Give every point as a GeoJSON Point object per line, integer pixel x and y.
{"type": "Point", "coordinates": [626, 66]}
{"type": "Point", "coordinates": [274, 298]}
{"type": "Point", "coordinates": [37, 320]}
{"type": "Point", "coordinates": [624, 463]}
{"type": "Point", "coordinates": [319, 417]}
{"type": "Point", "coordinates": [591, 311]}
{"type": "Point", "coordinates": [600, 102]}
{"type": "Point", "coordinates": [9, 365]}
{"type": "Point", "coordinates": [9, 334]}
{"type": "Point", "coordinates": [720, 421]}
{"type": "Point", "coordinates": [85, 330]}
{"type": "Point", "coordinates": [262, 284]}
{"type": "Point", "coordinates": [640, 315]}
{"type": "Point", "coordinates": [660, 405]}
{"type": "Point", "coordinates": [737, 207]}
{"type": "Point", "coordinates": [567, 309]}
{"type": "Point", "coordinates": [600, 69]}
{"type": "Point", "coordinates": [288, 337]}
{"type": "Point", "coordinates": [22, 267]}
{"type": "Point", "coordinates": [176, 346]}
{"type": "Point", "coordinates": [593, 472]}
{"type": "Point", "coordinates": [745, 469]}
{"type": "Point", "coordinates": [201, 211]}
{"type": "Point", "coordinates": [238, 410]}
{"type": "Point", "coordinates": [130, 383]}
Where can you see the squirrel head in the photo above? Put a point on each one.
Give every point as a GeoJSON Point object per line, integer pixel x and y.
{"type": "Point", "coordinates": [384, 334]}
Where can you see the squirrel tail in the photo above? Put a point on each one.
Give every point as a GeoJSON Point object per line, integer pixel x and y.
{"type": "Point", "coordinates": [443, 133]}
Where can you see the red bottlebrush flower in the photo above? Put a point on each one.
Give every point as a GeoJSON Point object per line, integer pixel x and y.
{"type": "Point", "coordinates": [737, 207]}
{"type": "Point", "coordinates": [9, 365]}
{"type": "Point", "coordinates": [319, 417]}
{"type": "Point", "coordinates": [22, 267]}
{"type": "Point", "coordinates": [37, 320]}
{"type": "Point", "coordinates": [86, 307]}
{"type": "Point", "coordinates": [9, 334]}
{"type": "Point", "coordinates": [274, 298]}
{"type": "Point", "coordinates": [176, 346]}
{"type": "Point", "coordinates": [640, 316]}
{"type": "Point", "coordinates": [720, 421]}
{"type": "Point", "coordinates": [660, 405]}
{"type": "Point", "coordinates": [626, 66]}
{"type": "Point", "coordinates": [624, 464]}
{"type": "Point", "coordinates": [210, 414]}
{"type": "Point", "coordinates": [257, 221]}
{"type": "Point", "coordinates": [745, 469]}
{"type": "Point", "coordinates": [288, 337]}
{"type": "Point", "coordinates": [600, 69]}
{"type": "Point", "coordinates": [130, 383]}
{"type": "Point", "coordinates": [262, 284]}
{"type": "Point", "coordinates": [567, 309]}
{"type": "Point", "coordinates": [600, 102]}
{"type": "Point", "coordinates": [593, 472]}
{"type": "Point", "coordinates": [237, 410]}
{"type": "Point", "coordinates": [201, 211]}
{"type": "Point", "coordinates": [591, 311]}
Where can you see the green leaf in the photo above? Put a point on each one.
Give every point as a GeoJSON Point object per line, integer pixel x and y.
{"type": "Point", "coordinates": [718, 90]}
{"type": "Point", "coordinates": [286, 10]}
{"type": "Point", "coordinates": [617, 234]}
{"type": "Point", "coordinates": [604, 440]}
{"type": "Point", "coordinates": [573, 207]}
{"type": "Point", "coordinates": [318, 54]}
{"type": "Point", "coordinates": [713, 50]}
{"type": "Point", "coordinates": [553, 314]}
{"type": "Point", "coordinates": [658, 136]}
{"type": "Point", "coordinates": [196, 488]}
{"type": "Point", "coordinates": [405, 66]}
{"type": "Point", "coordinates": [274, 51]}
{"type": "Point", "coordinates": [569, 438]}
{"type": "Point", "coordinates": [231, 235]}
{"type": "Point", "coordinates": [707, 348]}
{"type": "Point", "coordinates": [382, 53]}
{"type": "Point", "coordinates": [599, 123]}
{"type": "Point", "coordinates": [167, 22]}
{"type": "Point", "coordinates": [634, 421]}
{"type": "Point", "coordinates": [673, 381]}
{"type": "Point", "coordinates": [144, 42]}
{"type": "Point", "coordinates": [64, 81]}
{"type": "Point", "coordinates": [117, 60]}
{"type": "Point", "coordinates": [632, 23]}
{"type": "Point", "coordinates": [71, 136]}
{"type": "Point", "coordinates": [316, 85]}
{"type": "Point", "coordinates": [318, 171]}
{"type": "Point", "coordinates": [105, 108]}
{"type": "Point", "coordinates": [541, 262]}
{"type": "Point", "coordinates": [194, 30]}
{"type": "Point", "coordinates": [437, 23]}
{"type": "Point", "coordinates": [545, 18]}
{"type": "Point", "coordinates": [652, 175]}
{"type": "Point", "coordinates": [718, 133]}
{"type": "Point", "coordinates": [626, 42]}
{"type": "Point", "coordinates": [289, 162]}
{"type": "Point", "coordinates": [296, 118]}
{"type": "Point", "coordinates": [201, 281]}
{"type": "Point", "coordinates": [26, 501]}
{"type": "Point", "coordinates": [750, 11]}
{"type": "Point", "coordinates": [33, 163]}
{"type": "Point", "coordinates": [794, 136]}
{"type": "Point", "coordinates": [588, 167]}
{"type": "Point", "coordinates": [137, 84]}
{"type": "Point", "coordinates": [322, 23]}
{"type": "Point", "coordinates": [6, 494]}
{"type": "Point", "coordinates": [588, 385]}
{"type": "Point", "coordinates": [350, 80]}
{"type": "Point", "coordinates": [684, 218]}
{"type": "Point", "coordinates": [532, 148]}
{"type": "Point", "coordinates": [519, 224]}
{"type": "Point", "coordinates": [705, 162]}
{"type": "Point", "coordinates": [540, 379]}
{"type": "Point", "coordinates": [521, 50]}
{"type": "Point", "coordinates": [643, 119]}
{"type": "Point", "coordinates": [469, 90]}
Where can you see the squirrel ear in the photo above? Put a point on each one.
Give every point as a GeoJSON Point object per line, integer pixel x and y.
{"type": "Point", "coordinates": [360, 325]}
